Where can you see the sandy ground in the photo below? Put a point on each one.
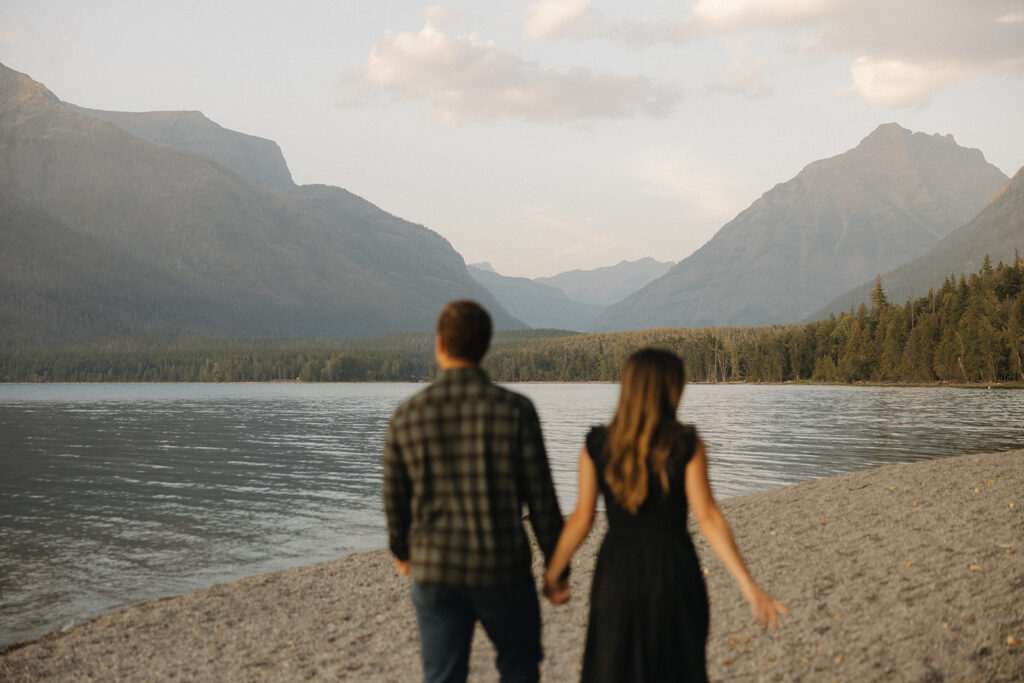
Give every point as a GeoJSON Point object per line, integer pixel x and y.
{"type": "Point", "coordinates": [900, 573]}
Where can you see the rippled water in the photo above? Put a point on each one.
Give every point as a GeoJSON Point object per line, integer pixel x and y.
{"type": "Point", "coordinates": [112, 494]}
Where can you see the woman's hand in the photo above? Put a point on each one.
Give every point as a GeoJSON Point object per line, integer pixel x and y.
{"type": "Point", "coordinates": [765, 609]}
{"type": "Point", "coordinates": [556, 588]}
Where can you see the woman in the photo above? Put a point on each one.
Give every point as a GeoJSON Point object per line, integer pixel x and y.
{"type": "Point", "coordinates": [648, 605]}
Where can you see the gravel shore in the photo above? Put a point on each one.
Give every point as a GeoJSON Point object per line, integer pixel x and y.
{"type": "Point", "coordinates": [899, 573]}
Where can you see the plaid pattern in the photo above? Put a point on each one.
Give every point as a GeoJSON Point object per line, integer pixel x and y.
{"type": "Point", "coordinates": [461, 458]}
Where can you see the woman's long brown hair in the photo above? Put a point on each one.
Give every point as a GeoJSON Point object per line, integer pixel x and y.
{"type": "Point", "coordinates": [652, 384]}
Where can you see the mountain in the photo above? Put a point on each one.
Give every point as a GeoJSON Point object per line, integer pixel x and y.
{"type": "Point", "coordinates": [177, 244]}
{"type": "Point", "coordinates": [834, 226]}
{"type": "Point", "coordinates": [56, 282]}
{"type": "Point", "coordinates": [536, 304]}
{"type": "Point", "coordinates": [257, 159]}
{"type": "Point", "coordinates": [610, 284]}
{"type": "Point", "coordinates": [998, 232]}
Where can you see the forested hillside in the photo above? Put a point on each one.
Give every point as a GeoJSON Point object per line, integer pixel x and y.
{"type": "Point", "coordinates": [998, 231]}
{"type": "Point", "coordinates": [971, 329]}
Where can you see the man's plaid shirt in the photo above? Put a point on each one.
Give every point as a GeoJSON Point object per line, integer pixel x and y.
{"type": "Point", "coordinates": [461, 458]}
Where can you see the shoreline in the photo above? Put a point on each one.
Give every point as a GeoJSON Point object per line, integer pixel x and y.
{"type": "Point", "coordinates": [902, 572]}
{"type": "Point", "coordinates": [798, 383]}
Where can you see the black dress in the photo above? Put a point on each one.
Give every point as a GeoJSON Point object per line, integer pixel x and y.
{"type": "Point", "coordinates": [648, 605]}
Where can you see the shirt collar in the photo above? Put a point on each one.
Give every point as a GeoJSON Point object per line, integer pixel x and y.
{"type": "Point", "coordinates": [463, 374]}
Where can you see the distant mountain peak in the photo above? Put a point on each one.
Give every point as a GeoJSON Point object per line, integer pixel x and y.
{"type": "Point", "coordinates": [839, 222]}
{"type": "Point", "coordinates": [894, 131]}
{"type": "Point", "coordinates": [894, 138]}
{"type": "Point", "coordinates": [26, 90]}
{"type": "Point", "coordinates": [888, 130]}
{"type": "Point", "coordinates": [252, 157]}
{"type": "Point", "coordinates": [608, 284]}
{"type": "Point", "coordinates": [483, 265]}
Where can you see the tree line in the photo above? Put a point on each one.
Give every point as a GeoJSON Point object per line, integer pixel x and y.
{"type": "Point", "coordinates": [971, 329]}
{"type": "Point", "coordinates": [220, 366]}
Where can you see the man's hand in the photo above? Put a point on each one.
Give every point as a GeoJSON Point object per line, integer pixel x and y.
{"type": "Point", "coordinates": [557, 592]}
{"type": "Point", "coordinates": [402, 566]}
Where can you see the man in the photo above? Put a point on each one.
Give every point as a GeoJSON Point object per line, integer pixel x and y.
{"type": "Point", "coordinates": [461, 459]}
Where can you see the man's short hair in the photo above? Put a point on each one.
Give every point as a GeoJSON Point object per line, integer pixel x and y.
{"type": "Point", "coordinates": [465, 328]}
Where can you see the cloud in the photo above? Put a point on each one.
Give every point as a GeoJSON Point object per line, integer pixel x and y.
{"type": "Point", "coordinates": [901, 53]}
{"type": "Point", "coordinates": [740, 14]}
{"type": "Point", "coordinates": [897, 84]}
{"type": "Point", "coordinates": [559, 18]}
{"type": "Point", "coordinates": [468, 80]}
{"type": "Point", "coordinates": [924, 50]}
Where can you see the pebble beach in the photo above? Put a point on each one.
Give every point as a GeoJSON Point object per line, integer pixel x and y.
{"type": "Point", "coordinates": [900, 573]}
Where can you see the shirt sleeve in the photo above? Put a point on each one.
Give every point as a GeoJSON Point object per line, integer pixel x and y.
{"type": "Point", "coordinates": [538, 488]}
{"type": "Point", "coordinates": [397, 496]}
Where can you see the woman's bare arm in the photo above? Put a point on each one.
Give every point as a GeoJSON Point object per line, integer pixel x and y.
{"type": "Point", "coordinates": [719, 536]}
{"type": "Point", "coordinates": [576, 528]}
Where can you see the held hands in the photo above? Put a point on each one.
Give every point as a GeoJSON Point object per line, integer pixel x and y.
{"type": "Point", "coordinates": [556, 590]}
{"type": "Point", "coordinates": [402, 566]}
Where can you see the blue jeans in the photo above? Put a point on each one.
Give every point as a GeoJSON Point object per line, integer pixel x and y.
{"type": "Point", "coordinates": [446, 617]}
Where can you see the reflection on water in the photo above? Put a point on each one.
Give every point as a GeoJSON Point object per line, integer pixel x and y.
{"type": "Point", "coordinates": [112, 494]}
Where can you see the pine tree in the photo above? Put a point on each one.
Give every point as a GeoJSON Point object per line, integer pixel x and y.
{"type": "Point", "coordinates": [878, 298]}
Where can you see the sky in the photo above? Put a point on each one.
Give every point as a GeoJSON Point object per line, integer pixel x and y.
{"type": "Point", "coordinates": [551, 135]}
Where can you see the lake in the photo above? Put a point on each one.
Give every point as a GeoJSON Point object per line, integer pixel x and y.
{"type": "Point", "coordinates": [111, 494]}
